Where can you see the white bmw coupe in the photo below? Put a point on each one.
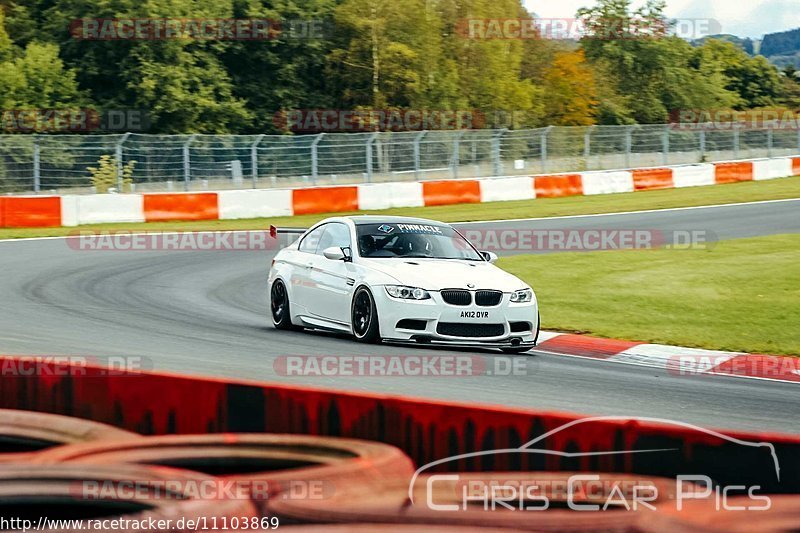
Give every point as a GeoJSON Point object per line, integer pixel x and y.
{"type": "Point", "coordinates": [400, 279]}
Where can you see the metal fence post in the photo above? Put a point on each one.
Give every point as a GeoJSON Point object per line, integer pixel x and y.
{"type": "Point", "coordinates": [628, 145]}
{"type": "Point", "coordinates": [187, 171]}
{"type": "Point", "coordinates": [735, 142]}
{"type": "Point", "coordinates": [702, 145]}
{"type": "Point", "coordinates": [254, 159]}
{"type": "Point", "coordinates": [417, 159]}
{"type": "Point", "coordinates": [370, 140]}
{"type": "Point", "coordinates": [665, 145]}
{"type": "Point", "coordinates": [315, 158]}
{"type": "Point", "coordinates": [498, 164]}
{"type": "Point", "coordinates": [543, 146]}
{"type": "Point", "coordinates": [587, 145]}
{"type": "Point", "coordinates": [118, 157]}
{"type": "Point", "coordinates": [37, 166]}
{"type": "Point", "coordinates": [456, 158]}
{"type": "Point", "coordinates": [769, 142]}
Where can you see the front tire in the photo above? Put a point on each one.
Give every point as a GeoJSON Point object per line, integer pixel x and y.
{"type": "Point", "coordinates": [279, 306]}
{"type": "Point", "coordinates": [364, 317]}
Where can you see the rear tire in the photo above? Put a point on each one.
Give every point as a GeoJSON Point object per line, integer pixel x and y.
{"type": "Point", "coordinates": [279, 306]}
{"type": "Point", "coordinates": [364, 317]}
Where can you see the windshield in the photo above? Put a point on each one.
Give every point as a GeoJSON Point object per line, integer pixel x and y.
{"type": "Point", "coordinates": [436, 241]}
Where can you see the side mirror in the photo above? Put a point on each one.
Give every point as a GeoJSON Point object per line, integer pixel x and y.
{"type": "Point", "coordinates": [489, 256]}
{"type": "Point", "coordinates": [337, 254]}
{"type": "Point", "coordinates": [333, 253]}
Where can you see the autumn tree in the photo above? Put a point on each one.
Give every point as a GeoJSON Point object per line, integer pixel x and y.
{"type": "Point", "coordinates": [570, 95]}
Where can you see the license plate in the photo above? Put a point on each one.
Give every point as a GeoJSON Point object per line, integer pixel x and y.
{"type": "Point", "coordinates": [477, 315]}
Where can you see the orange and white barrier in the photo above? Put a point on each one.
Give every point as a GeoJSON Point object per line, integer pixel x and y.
{"type": "Point", "coordinates": [388, 195]}
{"type": "Point", "coordinates": [73, 210]}
{"type": "Point", "coordinates": [693, 175]}
{"type": "Point", "coordinates": [645, 179]}
{"type": "Point", "coordinates": [767, 169]}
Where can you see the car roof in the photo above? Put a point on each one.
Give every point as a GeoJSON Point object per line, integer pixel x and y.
{"type": "Point", "coordinates": [377, 219]}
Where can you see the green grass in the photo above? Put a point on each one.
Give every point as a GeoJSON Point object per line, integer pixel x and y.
{"type": "Point", "coordinates": [741, 295]}
{"type": "Point", "coordinates": [550, 207]}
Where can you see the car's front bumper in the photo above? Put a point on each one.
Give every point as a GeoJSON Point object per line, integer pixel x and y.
{"type": "Point", "coordinates": [393, 315]}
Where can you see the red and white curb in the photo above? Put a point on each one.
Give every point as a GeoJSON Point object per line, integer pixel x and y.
{"type": "Point", "coordinates": [676, 360]}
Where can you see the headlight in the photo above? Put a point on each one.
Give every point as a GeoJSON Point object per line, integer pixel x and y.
{"type": "Point", "coordinates": [407, 293]}
{"type": "Point", "coordinates": [522, 296]}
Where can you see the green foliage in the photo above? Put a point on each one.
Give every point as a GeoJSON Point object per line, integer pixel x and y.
{"type": "Point", "coordinates": [373, 54]}
{"type": "Point", "coordinates": [647, 75]}
{"type": "Point", "coordinates": [105, 175]}
{"type": "Point", "coordinates": [753, 80]}
{"type": "Point", "coordinates": [38, 79]}
{"type": "Point", "coordinates": [6, 46]}
{"type": "Point", "coordinates": [695, 297]}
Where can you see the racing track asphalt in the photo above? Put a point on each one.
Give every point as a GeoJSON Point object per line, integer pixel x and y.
{"type": "Point", "coordinates": [206, 313]}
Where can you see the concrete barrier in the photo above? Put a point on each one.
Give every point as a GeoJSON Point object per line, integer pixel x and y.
{"type": "Point", "coordinates": [71, 210]}
{"type": "Point", "coordinates": [693, 175]}
{"type": "Point", "coordinates": [607, 182]}
{"type": "Point", "coordinates": [255, 203]}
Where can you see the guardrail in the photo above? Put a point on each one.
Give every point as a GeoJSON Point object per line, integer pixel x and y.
{"type": "Point", "coordinates": [60, 163]}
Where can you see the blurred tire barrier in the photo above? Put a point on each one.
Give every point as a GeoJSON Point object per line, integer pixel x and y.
{"type": "Point", "coordinates": [155, 403]}
{"type": "Point", "coordinates": [532, 501]}
{"type": "Point", "coordinates": [288, 467]}
{"type": "Point", "coordinates": [742, 514]}
{"type": "Point", "coordinates": [131, 492]}
{"type": "Point", "coordinates": [26, 433]}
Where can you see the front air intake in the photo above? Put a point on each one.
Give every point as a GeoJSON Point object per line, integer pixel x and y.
{"type": "Point", "coordinates": [458, 329]}
{"type": "Point", "coordinates": [411, 323]}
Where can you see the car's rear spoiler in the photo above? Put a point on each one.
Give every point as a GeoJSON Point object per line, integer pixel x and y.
{"type": "Point", "coordinates": [275, 231]}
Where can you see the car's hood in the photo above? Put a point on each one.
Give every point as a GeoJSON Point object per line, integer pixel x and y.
{"type": "Point", "coordinates": [437, 274]}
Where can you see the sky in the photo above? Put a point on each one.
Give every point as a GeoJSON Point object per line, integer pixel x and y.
{"type": "Point", "coordinates": [744, 18]}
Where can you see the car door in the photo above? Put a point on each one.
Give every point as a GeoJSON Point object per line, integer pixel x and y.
{"type": "Point", "coordinates": [333, 279]}
{"type": "Point", "coordinates": [303, 290]}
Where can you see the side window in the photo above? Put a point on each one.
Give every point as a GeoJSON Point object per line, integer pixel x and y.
{"type": "Point", "coordinates": [310, 242]}
{"type": "Point", "coordinates": [336, 234]}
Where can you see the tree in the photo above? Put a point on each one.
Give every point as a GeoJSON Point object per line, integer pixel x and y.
{"type": "Point", "coordinates": [650, 73]}
{"type": "Point", "coordinates": [38, 79]}
{"type": "Point", "coordinates": [570, 96]}
{"type": "Point", "coordinates": [287, 71]}
{"type": "Point", "coordinates": [6, 46]}
{"type": "Point", "coordinates": [754, 80]}
{"type": "Point", "coordinates": [392, 54]}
